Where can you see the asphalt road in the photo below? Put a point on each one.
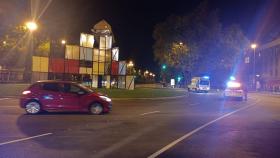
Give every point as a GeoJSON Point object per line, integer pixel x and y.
{"type": "Point", "coordinates": [198, 125]}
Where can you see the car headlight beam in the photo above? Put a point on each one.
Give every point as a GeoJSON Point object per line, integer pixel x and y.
{"type": "Point", "coordinates": [106, 98]}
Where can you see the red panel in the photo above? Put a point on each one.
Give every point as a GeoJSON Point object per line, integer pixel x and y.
{"type": "Point", "coordinates": [57, 65]}
{"type": "Point", "coordinates": [115, 67]}
{"type": "Point", "coordinates": [72, 66]}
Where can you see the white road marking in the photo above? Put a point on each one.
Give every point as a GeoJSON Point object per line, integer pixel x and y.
{"type": "Point", "coordinates": [196, 130]}
{"type": "Point", "coordinates": [194, 104]}
{"type": "Point", "coordinates": [9, 106]}
{"type": "Point", "coordinates": [4, 98]}
{"type": "Point", "coordinates": [24, 139]}
{"type": "Point", "coordinates": [147, 113]}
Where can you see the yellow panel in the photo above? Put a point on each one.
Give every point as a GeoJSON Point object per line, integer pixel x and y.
{"type": "Point", "coordinates": [102, 56]}
{"type": "Point", "coordinates": [68, 52]}
{"type": "Point", "coordinates": [44, 64]}
{"type": "Point", "coordinates": [89, 71]}
{"type": "Point", "coordinates": [101, 68]}
{"type": "Point", "coordinates": [76, 52]}
{"type": "Point", "coordinates": [36, 63]}
{"type": "Point", "coordinates": [129, 82]}
{"type": "Point", "coordinates": [83, 70]}
{"type": "Point", "coordinates": [95, 54]}
{"type": "Point", "coordinates": [108, 81]}
{"type": "Point", "coordinates": [95, 68]}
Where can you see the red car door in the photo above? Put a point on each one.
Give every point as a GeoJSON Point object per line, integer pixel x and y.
{"type": "Point", "coordinates": [70, 98]}
{"type": "Point", "coordinates": [50, 96]}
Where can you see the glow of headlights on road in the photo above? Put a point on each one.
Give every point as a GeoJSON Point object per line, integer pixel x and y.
{"type": "Point", "coordinates": [105, 98]}
{"type": "Point", "coordinates": [232, 84]}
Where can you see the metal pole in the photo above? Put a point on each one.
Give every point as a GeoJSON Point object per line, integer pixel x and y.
{"type": "Point", "coordinates": [254, 70]}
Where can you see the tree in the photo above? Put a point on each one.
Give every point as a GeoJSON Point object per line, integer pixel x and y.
{"type": "Point", "coordinates": [15, 44]}
{"type": "Point", "coordinates": [197, 43]}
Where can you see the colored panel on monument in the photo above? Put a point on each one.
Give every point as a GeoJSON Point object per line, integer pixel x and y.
{"type": "Point", "coordinates": [102, 56]}
{"type": "Point", "coordinates": [57, 65]}
{"type": "Point", "coordinates": [115, 68]}
{"type": "Point", "coordinates": [69, 52]}
{"type": "Point", "coordinates": [115, 54]}
{"type": "Point", "coordinates": [129, 84]}
{"type": "Point", "coordinates": [76, 52]}
{"type": "Point", "coordinates": [35, 64]}
{"type": "Point", "coordinates": [72, 66]}
{"type": "Point", "coordinates": [89, 52]}
{"type": "Point", "coordinates": [95, 54]}
{"type": "Point", "coordinates": [101, 68]}
{"type": "Point", "coordinates": [108, 81]}
{"type": "Point", "coordinates": [44, 67]}
{"type": "Point", "coordinates": [122, 68]}
{"type": "Point", "coordinates": [107, 68]}
{"type": "Point", "coordinates": [121, 82]}
{"type": "Point", "coordinates": [72, 52]}
{"type": "Point", "coordinates": [95, 68]}
{"type": "Point", "coordinates": [108, 55]}
{"type": "Point", "coordinates": [85, 70]}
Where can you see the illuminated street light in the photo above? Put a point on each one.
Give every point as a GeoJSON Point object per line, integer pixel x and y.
{"type": "Point", "coordinates": [130, 64]}
{"type": "Point", "coordinates": [63, 42]}
{"type": "Point", "coordinates": [4, 43]}
{"type": "Point", "coordinates": [181, 43]}
{"type": "Point", "coordinates": [254, 46]}
{"type": "Point", "coordinates": [31, 26]}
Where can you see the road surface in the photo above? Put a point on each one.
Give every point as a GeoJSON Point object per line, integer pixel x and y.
{"type": "Point", "coordinates": [198, 125]}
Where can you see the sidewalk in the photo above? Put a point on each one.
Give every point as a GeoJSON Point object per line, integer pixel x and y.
{"type": "Point", "coordinates": [267, 93]}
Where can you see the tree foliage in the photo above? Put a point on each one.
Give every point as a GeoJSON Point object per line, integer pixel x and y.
{"type": "Point", "coordinates": [16, 44]}
{"type": "Point", "coordinates": [197, 43]}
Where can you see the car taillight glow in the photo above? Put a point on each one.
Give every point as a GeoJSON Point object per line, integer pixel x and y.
{"type": "Point", "coordinates": [26, 92]}
{"type": "Point", "coordinates": [232, 84]}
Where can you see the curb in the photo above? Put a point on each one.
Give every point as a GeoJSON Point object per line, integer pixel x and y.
{"type": "Point", "coordinates": [157, 98]}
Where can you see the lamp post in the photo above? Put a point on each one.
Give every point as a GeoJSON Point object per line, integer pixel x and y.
{"type": "Point", "coordinates": [31, 26]}
{"type": "Point", "coordinates": [254, 46]}
{"type": "Point", "coordinates": [130, 67]}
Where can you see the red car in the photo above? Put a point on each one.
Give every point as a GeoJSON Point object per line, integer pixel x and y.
{"type": "Point", "coordinates": [63, 96]}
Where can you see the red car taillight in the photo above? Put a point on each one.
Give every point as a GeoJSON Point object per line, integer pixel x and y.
{"type": "Point", "coordinates": [26, 92]}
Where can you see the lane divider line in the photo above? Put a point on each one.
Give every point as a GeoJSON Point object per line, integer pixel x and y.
{"type": "Point", "coordinates": [194, 104]}
{"type": "Point", "coordinates": [196, 130]}
{"type": "Point", "coordinates": [147, 113]}
{"type": "Point", "coordinates": [4, 98]}
{"type": "Point", "coordinates": [24, 139]}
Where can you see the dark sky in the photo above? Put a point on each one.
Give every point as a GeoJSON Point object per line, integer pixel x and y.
{"type": "Point", "coordinates": [133, 21]}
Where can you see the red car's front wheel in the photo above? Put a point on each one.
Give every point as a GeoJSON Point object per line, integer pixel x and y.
{"type": "Point", "coordinates": [96, 109]}
{"type": "Point", "coordinates": [33, 107]}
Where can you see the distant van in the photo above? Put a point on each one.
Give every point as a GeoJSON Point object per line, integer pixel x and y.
{"type": "Point", "coordinates": [200, 84]}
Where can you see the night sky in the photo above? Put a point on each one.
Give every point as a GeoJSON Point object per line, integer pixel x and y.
{"type": "Point", "coordinates": [133, 21]}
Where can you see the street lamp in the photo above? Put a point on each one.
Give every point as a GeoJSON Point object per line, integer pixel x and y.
{"type": "Point", "coordinates": [254, 46]}
{"type": "Point", "coordinates": [130, 64]}
{"type": "Point", "coordinates": [31, 26]}
{"type": "Point", "coordinates": [63, 42]}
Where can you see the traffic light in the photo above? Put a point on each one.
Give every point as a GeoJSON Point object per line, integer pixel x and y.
{"type": "Point", "coordinates": [179, 78]}
{"type": "Point", "coordinates": [163, 66]}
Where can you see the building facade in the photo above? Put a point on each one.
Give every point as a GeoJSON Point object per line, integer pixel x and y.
{"type": "Point", "coordinates": [267, 66]}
